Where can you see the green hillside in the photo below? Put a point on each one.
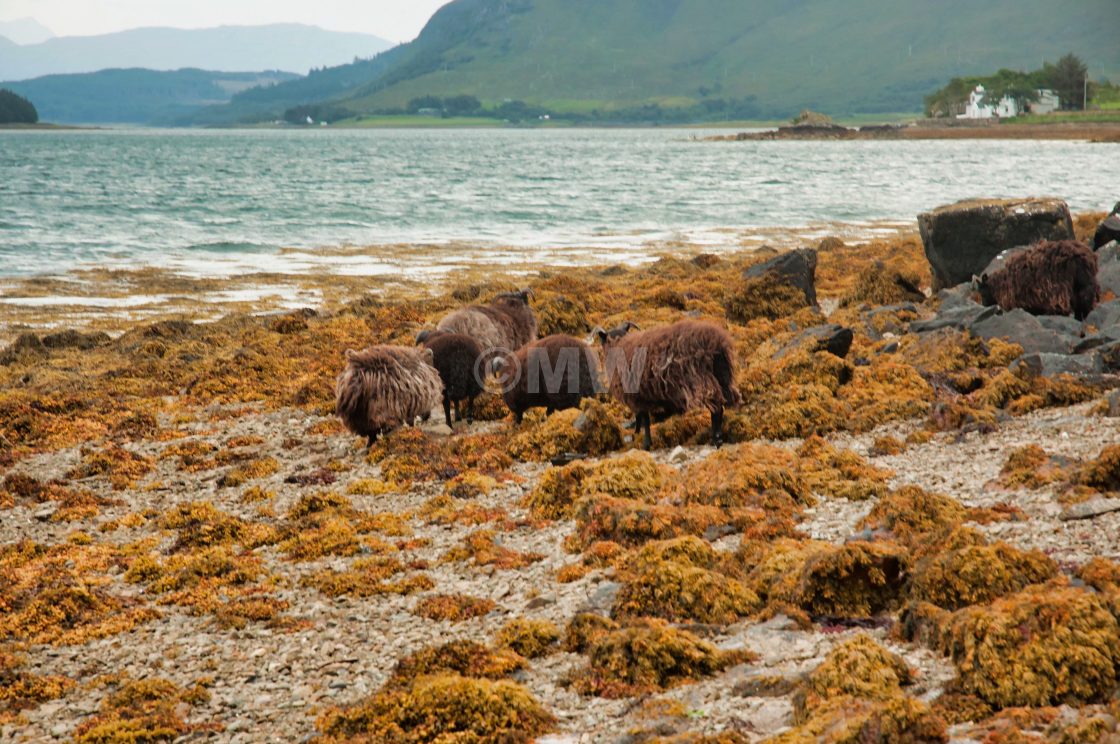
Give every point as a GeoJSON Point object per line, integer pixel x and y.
{"type": "Point", "coordinates": [767, 58]}
{"type": "Point", "coordinates": [136, 96]}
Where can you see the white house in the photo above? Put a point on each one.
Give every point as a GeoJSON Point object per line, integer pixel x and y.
{"type": "Point", "coordinates": [1048, 102]}
{"type": "Point", "coordinates": [1007, 107]}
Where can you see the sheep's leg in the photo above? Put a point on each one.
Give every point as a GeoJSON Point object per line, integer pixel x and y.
{"type": "Point", "coordinates": [717, 427]}
{"type": "Point", "coordinates": [470, 410]}
{"type": "Point", "coordinates": [517, 415]}
{"type": "Point", "coordinates": [644, 424]}
{"type": "Point", "coordinates": [458, 411]}
{"type": "Point", "coordinates": [371, 440]}
{"type": "Point", "coordinates": [447, 412]}
{"type": "Point", "coordinates": [549, 410]}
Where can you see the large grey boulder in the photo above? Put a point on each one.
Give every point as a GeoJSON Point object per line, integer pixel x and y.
{"type": "Point", "coordinates": [797, 268]}
{"type": "Point", "coordinates": [1109, 229]}
{"type": "Point", "coordinates": [1104, 316]}
{"type": "Point", "coordinates": [1108, 268]}
{"type": "Point", "coordinates": [832, 337]}
{"type": "Point", "coordinates": [1020, 327]}
{"type": "Point", "coordinates": [961, 239]}
{"type": "Point", "coordinates": [1053, 365]}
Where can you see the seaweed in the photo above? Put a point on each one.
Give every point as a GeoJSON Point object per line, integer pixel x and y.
{"type": "Point", "coordinates": [454, 608]}
{"type": "Point", "coordinates": [910, 511]}
{"type": "Point", "coordinates": [649, 656]}
{"type": "Point", "coordinates": [634, 475]}
{"type": "Point", "coordinates": [977, 574]}
{"type": "Point", "coordinates": [529, 638]}
{"type": "Point", "coordinates": [1046, 645]}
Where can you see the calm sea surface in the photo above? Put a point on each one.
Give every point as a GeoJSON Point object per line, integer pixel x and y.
{"type": "Point", "coordinates": [228, 201]}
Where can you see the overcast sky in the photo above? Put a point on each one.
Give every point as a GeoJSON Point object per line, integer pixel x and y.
{"type": "Point", "coordinates": [396, 20]}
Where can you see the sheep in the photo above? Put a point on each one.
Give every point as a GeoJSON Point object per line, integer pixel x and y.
{"type": "Point", "coordinates": [458, 359]}
{"type": "Point", "coordinates": [385, 387]}
{"type": "Point", "coordinates": [507, 323]}
{"type": "Point", "coordinates": [1108, 230]}
{"type": "Point", "coordinates": [554, 373]}
{"type": "Point", "coordinates": [1049, 278]}
{"type": "Point", "coordinates": [671, 370]}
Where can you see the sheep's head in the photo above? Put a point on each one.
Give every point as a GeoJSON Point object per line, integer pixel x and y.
{"type": "Point", "coordinates": [608, 338]}
{"type": "Point", "coordinates": [1116, 208]}
{"type": "Point", "coordinates": [981, 287]}
{"type": "Point", "coordinates": [424, 336]}
{"type": "Point", "coordinates": [514, 299]}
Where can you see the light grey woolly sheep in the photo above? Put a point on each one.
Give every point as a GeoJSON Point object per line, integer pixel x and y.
{"type": "Point", "coordinates": [386, 387]}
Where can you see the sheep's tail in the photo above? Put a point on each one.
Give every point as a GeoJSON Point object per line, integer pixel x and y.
{"type": "Point", "coordinates": [724, 373]}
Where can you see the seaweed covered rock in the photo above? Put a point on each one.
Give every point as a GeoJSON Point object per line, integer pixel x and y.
{"type": "Point", "coordinates": [857, 579]}
{"type": "Point", "coordinates": [910, 511]}
{"type": "Point", "coordinates": [141, 710]}
{"type": "Point", "coordinates": [777, 287]}
{"type": "Point", "coordinates": [1043, 646]}
{"type": "Point", "coordinates": [839, 473]}
{"type": "Point", "coordinates": [635, 475]}
{"type": "Point", "coordinates": [746, 475]}
{"type": "Point", "coordinates": [649, 656]}
{"type": "Point", "coordinates": [849, 720]}
{"type": "Point", "coordinates": [594, 429]}
{"type": "Point", "coordinates": [881, 285]}
{"type": "Point", "coordinates": [860, 668]}
{"type": "Point", "coordinates": [955, 577]}
{"type": "Point", "coordinates": [441, 708]}
{"type": "Point", "coordinates": [1031, 466]}
{"type": "Point", "coordinates": [529, 638]}
{"type": "Point", "coordinates": [1103, 472]}
{"type": "Point", "coordinates": [681, 592]}
{"type": "Point", "coordinates": [464, 658]}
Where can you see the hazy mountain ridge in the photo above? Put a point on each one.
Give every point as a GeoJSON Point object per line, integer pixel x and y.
{"type": "Point", "coordinates": [838, 56]}
{"type": "Point", "coordinates": [25, 31]}
{"type": "Point", "coordinates": [290, 47]}
{"type": "Point", "coordinates": [136, 96]}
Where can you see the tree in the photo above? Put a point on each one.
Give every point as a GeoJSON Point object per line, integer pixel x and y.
{"type": "Point", "coordinates": [461, 105]}
{"type": "Point", "coordinates": [15, 109]}
{"type": "Point", "coordinates": [417, 105]}
{"type": "Point", "coordinates": [1067, 79]}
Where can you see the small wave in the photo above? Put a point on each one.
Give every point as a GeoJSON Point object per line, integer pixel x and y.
{"type": "Point", "coordinates": [232, 247]}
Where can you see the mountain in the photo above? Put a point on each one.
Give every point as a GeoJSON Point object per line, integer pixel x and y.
{"type": "Point", "coordinates": [290, 47]}
{"type": "Point", "coordinates": [25, 31]}
{"type": "Point", "coordinates": [135, 96]}
{"type": "Point", "coordinates": [767, 57]}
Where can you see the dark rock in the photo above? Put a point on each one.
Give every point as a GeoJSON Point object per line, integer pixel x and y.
{"type": "Point", "coordinates": [958, 296]}
{"type": "Point", "coordinates": [706, 260]}
{"type": "Point", "coordinates": [1090, 509]}
{"type": "Point", "coordinates": [797, 268]}
{"type": "Point", "coordinates": [961, 239]}
{"type": "Point", "coordinates": [1061, 323]}
{"type": "Point", "coordinates": [1109, 355]}
{"type": "Point", "coordinates": [1095, 341]}
{"type": "Point", "coordinates": [833, 338]}
{"type": "Point", "coordinates": [961, 317]}
{"type": "Point", "coordinates": [1053, 365]}
{"type": "Point", "coordinates": [71, 339]}
{"type": "Point", "coordinates": [1020, 327]}
{"type": "Point", "coordinates": [1000, 262]}
{"type": "Point", "coordinates": [27, 347]}
{"type": "Point", "coordinates": [171, 329]}
{"type": "Point", "coordinates": [1113, 404]}
{"type": "Point", "coordinates": [1105, 315]}
{"type": "Point", "coordinates": [1108, 268]}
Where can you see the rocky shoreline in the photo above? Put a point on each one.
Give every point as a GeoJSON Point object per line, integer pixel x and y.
{"type": "Point", "coordinates": [1092, 132]}
{"type": "Point", "coordinates": [191, 548]}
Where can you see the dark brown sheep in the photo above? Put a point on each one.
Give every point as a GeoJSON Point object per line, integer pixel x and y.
{"type": "Point", "coordinates": [458, 359]}
{"type": "Point", "coordinates": [1049, 278]}
{"type": "Point", "coordinates": [1108, 230]}
{"type": "Point", "coordinates": [386, 387]}
{"type": "Point", "coordinates": [506, 324]}
{"type": "Point", "coordinates": [554, 373]}
{"type": "Point", "coordinates": [671, 370]}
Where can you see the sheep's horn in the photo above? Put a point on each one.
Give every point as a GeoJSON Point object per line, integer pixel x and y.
{"type": "Point", "coordinates": [423, 336]}
{"type": "Point", "coordinates": [528, 294]}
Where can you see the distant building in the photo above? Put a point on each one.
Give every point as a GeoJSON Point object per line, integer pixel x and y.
{"type": "Point", "coordinates": [978, 108]}
{"type": "Point", "coordinates": [1048, 102]}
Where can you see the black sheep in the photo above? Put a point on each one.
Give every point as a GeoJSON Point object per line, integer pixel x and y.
{"type": "Point", "coordinates": [458, 359]}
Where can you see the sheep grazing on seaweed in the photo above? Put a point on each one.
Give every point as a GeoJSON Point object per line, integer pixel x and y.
{"type": "Point", "coordinates": [554, 373]}
{"type": "Point", "coordinates": [507, 323]}
{"type": "Point", "coordinates": [1108, 230]}
{"type": "Point", "coordinates": [458, 359]}
{"type": "Point", "coordinates": [671, 370]}
{"type": "Point", "coordinates": [386, 387]}
{"type": "Point", "coordinates": [1049, 278]}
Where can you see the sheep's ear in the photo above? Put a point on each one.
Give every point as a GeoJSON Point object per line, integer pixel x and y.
{"type": "Point", "coordinates": [428, 355]}
{"type": "Point", "coordinates": [599, 334]}
{"type": "Point", "coordinates": [527, 294]}
{"type": "Point", "coordinates": [975, 282]}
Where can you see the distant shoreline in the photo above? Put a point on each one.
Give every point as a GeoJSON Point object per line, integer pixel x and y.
{"type": "Point", "coordinates": [1094, 132]}
{"type": "Point", "coordinates": [44, 127]}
